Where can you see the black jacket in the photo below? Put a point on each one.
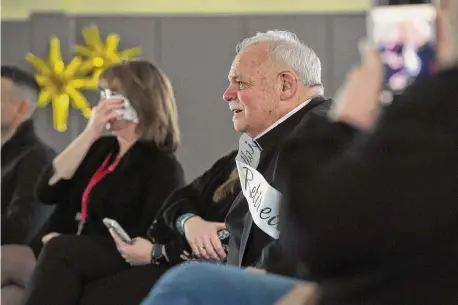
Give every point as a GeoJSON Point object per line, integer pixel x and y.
{"type": "Point", "coordinates": [374, 216]}
{"type": "Point", "coordinates": [24, 157]}
{"type": "Point", "coordinates": [132, 194]}
{"type": "Point", "coordinates": [196, 198]}
{"type": "Point", "coordinates": [249, 245]}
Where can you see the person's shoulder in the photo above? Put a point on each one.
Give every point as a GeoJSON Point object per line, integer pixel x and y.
{"type": "Point", "coordinates": [321, 106]}
{"type": "Point", "coordinates": [40, 151]}
{"type": "Point", "coordinates": [156, 158]}
{"type": "Point", "coordinates": [226, 160]}
{"type": "Point", "coordinates": [318, 107]}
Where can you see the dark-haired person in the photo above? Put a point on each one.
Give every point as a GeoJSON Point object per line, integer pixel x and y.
{"type": "Point", "coordinates": [24, 156]}
{"type": "Point", "coordinates": [125, 177]}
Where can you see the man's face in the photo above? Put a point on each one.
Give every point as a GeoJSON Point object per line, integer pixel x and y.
{"type": "Point", "coordinates": [253, 93]}
{"type": "Point", "coordinates": [10, 107]}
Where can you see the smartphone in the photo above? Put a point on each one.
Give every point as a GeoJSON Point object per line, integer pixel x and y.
{"type": "Point", "coordinates": [127, 112]}
{"type": "Point", "coordinates": [113, 224]}
{"type": "Point", "coordinates": [405, 35]}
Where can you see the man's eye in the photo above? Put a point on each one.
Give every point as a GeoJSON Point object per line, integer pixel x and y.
{"type": "Point", "coordinates": [241, 85]}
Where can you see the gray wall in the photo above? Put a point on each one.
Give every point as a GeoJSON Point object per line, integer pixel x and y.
{"type": "Point", "coordinates": [196, 53]}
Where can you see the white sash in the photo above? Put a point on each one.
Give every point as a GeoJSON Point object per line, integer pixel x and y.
{"type": "Point", "coordinates": [263, 200]}
{"type": "Point", "coordinates": [249, 151]}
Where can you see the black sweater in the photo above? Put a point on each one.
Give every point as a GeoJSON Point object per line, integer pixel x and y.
{"type": "Point", "coordinates": [24, 157]}
{"type": "Point", "coordinates": [132, 194]}
{"type": "Point", "coordinates": [196, 198]}
{"type": "Point", "coordinates": [374, 216]}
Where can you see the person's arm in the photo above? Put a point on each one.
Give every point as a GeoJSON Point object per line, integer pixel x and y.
{"type": "Point", "coordinates": [66, 163]}
{"type": "Point", "coordinates": [54, 193]}
{"type": "Point", "coordinates": [25, 214]}
{"type": "Point", "coordinates": [382, 193]}
{"type": "Point", "coordinates": [55, 181]}
{"type": "Point", "coordinates": [189, 199]}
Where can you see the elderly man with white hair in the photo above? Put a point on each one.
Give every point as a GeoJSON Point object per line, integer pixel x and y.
{"type": "Point", "coordinates": [274, 86]}
{"type": "Point", "coordinates": [372, 218]}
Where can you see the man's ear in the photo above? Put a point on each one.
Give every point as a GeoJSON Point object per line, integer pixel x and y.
{"type": "Point", "coordinates": [24, 109]}
{"type": "Point", "coordinates": [289, 84]}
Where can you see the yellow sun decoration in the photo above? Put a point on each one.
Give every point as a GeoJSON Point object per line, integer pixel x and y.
{"type": "Point", "coordinates": [98, 55]}
{"type": "Point", "coordinates": [60, 84]}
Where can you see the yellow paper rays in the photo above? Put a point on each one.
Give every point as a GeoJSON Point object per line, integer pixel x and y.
{"type": "Point", "coordinates": [60, 84]}
{"type": "Point", "coordinates": [98, 55]}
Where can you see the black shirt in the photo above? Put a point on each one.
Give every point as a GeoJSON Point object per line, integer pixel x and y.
{"type": "Point", "coordinates": [132, 194]}
{"type": "Point", "coordinates": [374, 216]}
{"type": "Point", "coordinates": [24, 157]}
{"type": "Point", "coordinates": [197, 198]}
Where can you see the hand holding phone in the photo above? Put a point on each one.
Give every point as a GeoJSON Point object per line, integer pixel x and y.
{"type": "Point", "coordinates": [405, 36]}
{"type": "Point", "coordinates": [113, 224]}
{"type": "Point", "coordinates": [127, 112]}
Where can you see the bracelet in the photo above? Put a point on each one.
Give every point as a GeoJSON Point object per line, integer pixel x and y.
{"type": "Point", "coordinates": [181, 220]}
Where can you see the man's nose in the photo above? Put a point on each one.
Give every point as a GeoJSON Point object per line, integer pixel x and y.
{"type": "Point", "coordinates": [229, 94]}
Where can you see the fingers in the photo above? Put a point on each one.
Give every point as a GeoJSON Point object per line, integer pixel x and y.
{"type": "Point", "coordinates": [195, 249]}
{"type": "Point", "coordinates": [220, 226]}
{"type": "Point", "coordinates": [209, 249]}
{"type": "Point", "coordinates": [121, 246]}
{"type": "Point", "coordinates": [110, 104]}
{"type": "Point", "coordinates": [107, 106]}
{"type": "Point", "coordinates": [117, 239]}
{"type": "Point", "coordinates": [218, 247]}
{"type": "Point", "coordinates": [370, 54]}
{"type": "Point", "coordinates": [202, 249]}
{"type": "Point", "coordinates": [48, 237]}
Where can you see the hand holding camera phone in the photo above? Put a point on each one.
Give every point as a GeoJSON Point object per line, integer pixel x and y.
{"type": "Point", "coordinates": [127, 112]}
{"type": "Point", "coordinates": [405, 35]}
{"type": "Point", "coordinates": [113, 224]}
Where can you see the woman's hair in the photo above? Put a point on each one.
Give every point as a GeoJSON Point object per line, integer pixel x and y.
{"type": "Point", "coordinates": [150, 93]}
{"type": "Point", "coordinates": [227, 187]}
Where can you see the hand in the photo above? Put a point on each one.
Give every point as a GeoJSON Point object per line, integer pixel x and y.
{"type": "Point", "coordinates": [101, 114]}
{"type": "Point", "coordinates": [203, 238]}
{"type": "Point", "coordinates": [445, 34]}
{"type": "Point", "coordinates": [358, 102]}
{"type": "Point", "coordinates": [136, 254]}
{"type": "Point", "coordinates": [255, 270]}
{"type": "Point", "coordinates": [48, 237]}
{"type": "Point", "coordinates": [306, 294]}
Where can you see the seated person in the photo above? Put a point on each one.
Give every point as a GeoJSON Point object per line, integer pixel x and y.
{"type": "Point", "coordinates": [24, 157]}
{"type": "Point", "coordinates": [124, 274]}
{"type": "Point", "coordinates": [125, 177]}
{"type": "Point", "coordinates": [274, 88]}
{"type": "Point", "coordinates": [371, 218]}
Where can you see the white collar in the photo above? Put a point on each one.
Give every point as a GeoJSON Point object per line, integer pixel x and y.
{"type": "Point", "coordinates": [283, 118]}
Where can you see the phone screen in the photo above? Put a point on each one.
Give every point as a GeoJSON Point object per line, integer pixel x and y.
{"type": "Point", "coordinates": [406, 38]}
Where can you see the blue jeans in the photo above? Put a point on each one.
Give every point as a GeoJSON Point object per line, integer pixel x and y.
{"type": "Point", "coordinates": [212, 284]}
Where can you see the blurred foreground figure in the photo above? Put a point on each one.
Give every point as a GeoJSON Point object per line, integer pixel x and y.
{"type": "Point", "coordinates": [370, 202]}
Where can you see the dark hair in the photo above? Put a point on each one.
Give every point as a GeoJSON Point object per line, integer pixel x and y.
{"type": "Point", "coordinates": [20, 77]}
{"type": "Point", "coordinates": [151, 94]}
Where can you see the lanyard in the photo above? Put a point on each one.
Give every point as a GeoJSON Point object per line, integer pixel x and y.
{"type": "Point", "coordinates": [101, 172]}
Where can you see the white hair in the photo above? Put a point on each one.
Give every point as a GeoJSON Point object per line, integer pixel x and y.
{"type": "Point", "coordinates": [287, 47]}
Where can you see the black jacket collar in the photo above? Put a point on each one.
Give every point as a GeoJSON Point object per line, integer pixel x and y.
{"type": "Point", "coordinates": [272, 138]}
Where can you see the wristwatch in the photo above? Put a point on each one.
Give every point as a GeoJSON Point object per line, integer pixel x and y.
{"type": "Point", "coordinates": [156, 254]}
